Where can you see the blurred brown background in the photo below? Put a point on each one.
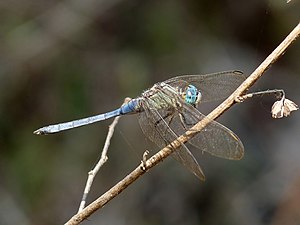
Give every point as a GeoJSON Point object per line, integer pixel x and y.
{"type": "Point", "coordinates": [63, 60]}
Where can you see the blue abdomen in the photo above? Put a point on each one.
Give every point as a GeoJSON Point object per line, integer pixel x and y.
{"type": "Point", "coordinates": [131, 107]}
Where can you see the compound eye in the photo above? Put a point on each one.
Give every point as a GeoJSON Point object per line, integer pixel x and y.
{"type": "Point", "coordinates": [191, 95]}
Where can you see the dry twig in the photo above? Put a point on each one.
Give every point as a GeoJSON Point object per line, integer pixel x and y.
{"type": "Point", "coordinates": [102, 160]}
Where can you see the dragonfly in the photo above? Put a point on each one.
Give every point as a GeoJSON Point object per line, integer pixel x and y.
{"type": "Point", "coordinates": [169, 108]}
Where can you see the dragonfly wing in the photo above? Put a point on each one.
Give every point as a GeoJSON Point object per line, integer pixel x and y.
{"type": "Point", "coordinates": [213, 87]}
{"type": "Point", "coordinates": [154, 124]}
{"type": "Point", "coordinates": [215, 138]}
{"type": "Point", "coordinates": [186, 158]}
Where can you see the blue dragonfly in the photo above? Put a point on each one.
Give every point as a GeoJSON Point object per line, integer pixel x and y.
{"type": "Point", "coordinates": [168, 109]}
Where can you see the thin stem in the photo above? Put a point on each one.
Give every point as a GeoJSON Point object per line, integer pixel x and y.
{"type": "Point", "coordinates": [102, 160]}
{"type": "Point", "coordinates": [279, 93]}
{"type": "Point", "coordinates": [165, 152]}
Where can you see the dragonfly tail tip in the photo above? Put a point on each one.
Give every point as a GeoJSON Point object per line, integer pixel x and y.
{"type": "Point", "coordinates": [39, 132]}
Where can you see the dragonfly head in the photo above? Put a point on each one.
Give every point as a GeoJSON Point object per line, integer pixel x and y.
{"type": "Point", "coordinates": [192, 95]}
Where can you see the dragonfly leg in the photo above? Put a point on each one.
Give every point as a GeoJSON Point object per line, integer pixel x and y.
{"type": "Point", "coordinates": [184, 123]}
{"type": "Point", "coordinates": [167, 120]}
{"type": "Point", "coordinates": [170, 113]}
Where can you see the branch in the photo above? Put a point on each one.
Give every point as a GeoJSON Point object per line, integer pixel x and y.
{"type": "Point", "coordinates": [102, 160]}
{"type": "Point", "coordinates": [165, 152]}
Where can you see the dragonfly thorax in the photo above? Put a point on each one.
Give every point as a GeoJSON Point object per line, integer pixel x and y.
{"type": "Point", "coordinates": [190, 95]}
{"type": "Point", "coordinates": [161, 95]}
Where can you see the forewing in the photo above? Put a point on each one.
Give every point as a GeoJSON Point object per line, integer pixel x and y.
{"type": "Point", "coordinates": [213, 87]}
{"type": "Point", "coordinates": [215, 138]}
{"type": "Point", "coordinates": [154, 123]}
